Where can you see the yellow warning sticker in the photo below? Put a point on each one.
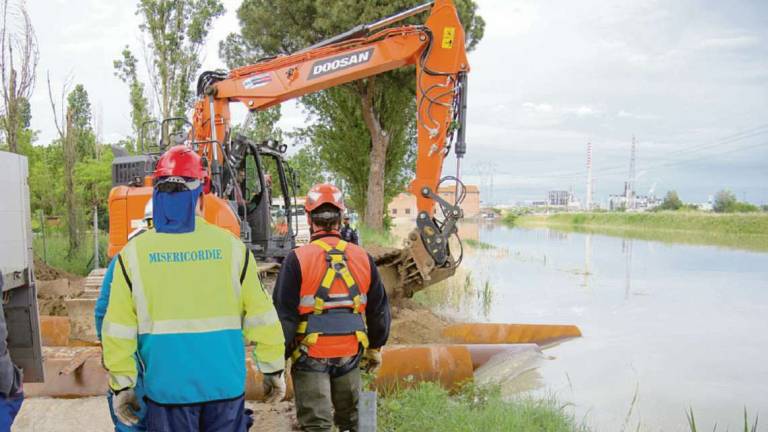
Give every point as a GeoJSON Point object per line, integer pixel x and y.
{"type": "Point", "coordinates": [449, 33]}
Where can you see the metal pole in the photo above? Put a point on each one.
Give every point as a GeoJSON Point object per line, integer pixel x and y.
{"type": "Point", "coordinates": [42, 230]}
{"type": "Point", "coordinates": [95, 237]}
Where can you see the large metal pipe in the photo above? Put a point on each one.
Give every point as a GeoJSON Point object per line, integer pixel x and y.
{"type": "Point", "coordinates": [405, 365]}
{"type": "Point", "coordinates": [54, 330]}
{"type": "Point", "coordinates": [483, 333]}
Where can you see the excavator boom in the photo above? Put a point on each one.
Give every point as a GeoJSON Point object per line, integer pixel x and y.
{"type": "Point", "coordinates": [436, 49]}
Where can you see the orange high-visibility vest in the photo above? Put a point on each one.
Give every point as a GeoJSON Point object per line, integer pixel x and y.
{"type": "Point", "coordinates": [335, 277]}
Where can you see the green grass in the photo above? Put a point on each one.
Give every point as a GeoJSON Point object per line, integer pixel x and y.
{"type": "Point", "coordinates": [56, 248]}
{"type": "Point", "coordinates": [509, 218]}
{"type": "Point", "coordinates": [429, 407]}
{"type": "Point", "coordinates": [477, 244]}
{"type": "Point", "coordinates": [378, 237]}
{"type": "Point", "coordinates": [740, 231]}
{"type": "Point", "coordinates": [748, 426]}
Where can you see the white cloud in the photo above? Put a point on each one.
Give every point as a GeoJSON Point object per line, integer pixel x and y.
{"type": "Point", "coordinates": [547, 108]}
{"type": "Point", "coordinates": [631, 115]}
{"type": "Point", "coordinates": [538, 107]}
{"type": "Point", "coordinates": [584, 110]}
{"type": "Point", "coordinates": [730, 42]}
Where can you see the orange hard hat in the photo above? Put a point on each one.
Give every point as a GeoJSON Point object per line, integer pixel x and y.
{"type": "Point", "coordinates": [324, 193]}
{"type": "Point", "coordinates": [180, 161]}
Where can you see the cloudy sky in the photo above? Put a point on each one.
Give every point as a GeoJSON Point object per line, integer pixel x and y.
{"type": "Point", "coordinates": [689, 79]}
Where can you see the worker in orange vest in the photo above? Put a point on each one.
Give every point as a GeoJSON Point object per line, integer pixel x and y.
{"type": "Point", "coordinates": [335, 316]}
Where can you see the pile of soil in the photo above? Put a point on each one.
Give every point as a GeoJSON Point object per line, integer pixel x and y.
{"type": "Point", "coordinates": [44, 272]}
{"type": "Point", "coordinates": [52, 306]}
{"type": "Point", "coordinates": [51, 303]}
{"type": "Point", "coordinates": [413, 323]}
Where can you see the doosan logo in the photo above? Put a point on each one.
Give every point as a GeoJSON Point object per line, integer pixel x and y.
{"type": "Point", "coordinates": [333, 64]}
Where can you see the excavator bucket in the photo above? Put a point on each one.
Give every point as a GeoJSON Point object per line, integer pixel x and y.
{"type": "Point", "coordinates": [410, 269]}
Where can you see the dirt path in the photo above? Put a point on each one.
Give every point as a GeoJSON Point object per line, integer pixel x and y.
{"type": "Point", "coordinates": [92, 415]}
{"type": "Point", "coordinates": [411, 324]}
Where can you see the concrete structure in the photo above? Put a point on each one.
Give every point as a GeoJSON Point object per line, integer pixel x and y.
{"type": "Point", "coordinates": [403, 206]}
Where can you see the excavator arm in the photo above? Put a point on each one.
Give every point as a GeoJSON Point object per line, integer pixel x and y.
{"type": "Point", "coordinates": [437, 50]}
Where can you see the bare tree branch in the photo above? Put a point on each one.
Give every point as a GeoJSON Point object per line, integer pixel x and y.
{"type": "Point", "coordinates": [61, 125]}
{"type": "Point", "coordinates": [19, 56]}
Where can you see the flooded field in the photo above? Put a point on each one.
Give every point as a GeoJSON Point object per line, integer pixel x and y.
{"type": "Point", "coordinates": [667, 327]}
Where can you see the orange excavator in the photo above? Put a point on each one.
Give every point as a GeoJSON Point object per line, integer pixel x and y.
{"type": "Point", "coordinates": [246, 177]}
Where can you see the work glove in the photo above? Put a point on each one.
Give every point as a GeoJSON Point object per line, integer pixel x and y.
{"type": "Point", "coordinates": [125, 405]}
{"type": "Point", "coordinates": [371, 361]}
{"type": "Point", "coordinates": [274, 387]}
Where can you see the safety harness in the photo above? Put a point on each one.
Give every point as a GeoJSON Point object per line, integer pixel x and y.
{"type": "Point", "coordinates": [333, 314]}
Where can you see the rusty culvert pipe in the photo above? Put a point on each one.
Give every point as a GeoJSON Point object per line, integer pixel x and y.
{"type": "Point", "coordinates": [483, 333]}
{"type": "Point", "coordinates": [405, 365]}
{"type": "Point", "coordinates": [449, 364]}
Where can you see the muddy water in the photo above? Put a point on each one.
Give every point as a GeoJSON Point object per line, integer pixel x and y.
{"type": "Point", "coordinates": [666, 326]}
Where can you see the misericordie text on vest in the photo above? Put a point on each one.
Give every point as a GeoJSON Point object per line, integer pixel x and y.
{"type": "Point", "coordinates": [185, 256]}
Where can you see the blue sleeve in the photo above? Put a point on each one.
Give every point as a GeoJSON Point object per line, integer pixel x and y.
{"type": "Point", "coordinates": [101, 303]}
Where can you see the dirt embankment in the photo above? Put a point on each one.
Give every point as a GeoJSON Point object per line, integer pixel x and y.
{"type": "Point", "coordinates": [413, 323]}
{"type": "Point", "coordinates": [54, 287]}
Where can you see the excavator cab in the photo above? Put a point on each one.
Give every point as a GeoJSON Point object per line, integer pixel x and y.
{"type": "Point", "coordinates": [247, 187]}
{"type": "Point", "coordinates": [260, 186]}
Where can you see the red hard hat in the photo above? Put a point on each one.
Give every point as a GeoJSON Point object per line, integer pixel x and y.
{"type": "Point", "coordinates": [323, 193]}
{"type": "Point", "coordinates": [180, 161]}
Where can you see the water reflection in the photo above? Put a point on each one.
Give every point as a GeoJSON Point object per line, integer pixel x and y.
{"type": "Point", "coordinates": [587, 260]}
{"type": "Point", "coordinates": [626, 249]}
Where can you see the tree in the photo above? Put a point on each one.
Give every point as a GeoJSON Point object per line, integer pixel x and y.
{"type": "Point", "coordinates": [362, 127]}
{"type": "Point", "coordinates": [94, 181]}
{"type": "Point", "coordinates": [262, 125]}
{"type": "Point", "coordinates": [46, 189]}
{"type": "Point", "coordinates": [177, 30]}
{"type": "Point", "coordinates": [74, 127]}
{"type": "Point", "coordinates": [125, 69]}
{"type": "Point", "coordinates": [80, 108]}
{"type": "Point", "coordinates": [671, 201]}
{"type": "Point", "coordinates": [18, 61]}
{"type": "Point", "coordinates": [725, 202]}
{"type": "Point", "coordinates": [308, 167]}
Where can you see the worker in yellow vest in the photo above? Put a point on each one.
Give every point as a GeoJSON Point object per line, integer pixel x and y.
{"type": "Point", "coordinates": [183, 297]}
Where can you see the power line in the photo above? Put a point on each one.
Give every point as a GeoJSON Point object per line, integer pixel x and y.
{"type": "Point", "coordinates": [615, 169]}
{"type": "Point", "coordinates": [664, 164]}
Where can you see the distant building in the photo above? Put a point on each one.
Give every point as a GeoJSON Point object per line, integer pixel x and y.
{"type": "Point", "coordinates": [404, 204]}
{"type": "Point", "coordinates": [471, 203]}
{"type": "Point", "coordinates": [558, 198]}
{"type": "Point", "coordinates": [562, 199]}
{"type": "Point", "coordinates": [639, 203]}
